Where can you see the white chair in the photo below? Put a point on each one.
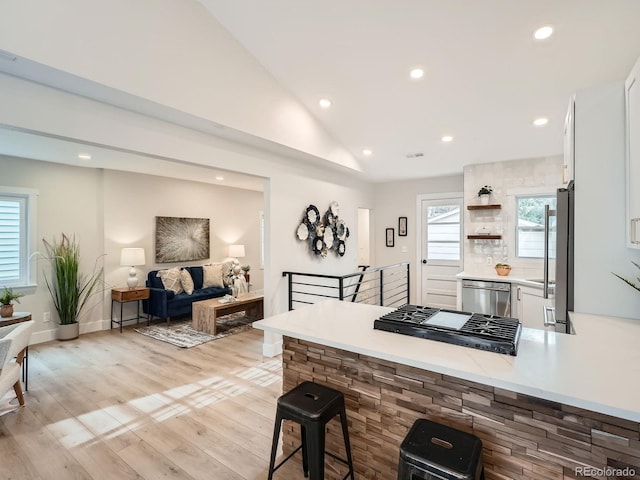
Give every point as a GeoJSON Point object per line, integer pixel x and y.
{"type": "Point", "coordinates": [14, 340]}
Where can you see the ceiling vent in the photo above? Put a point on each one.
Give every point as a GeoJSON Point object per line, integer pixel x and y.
{"type": "Point", "coordinates": [414, 155]}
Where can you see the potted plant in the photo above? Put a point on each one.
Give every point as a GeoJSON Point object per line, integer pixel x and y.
{"type": "Point", "coordinates": [629, 282]}
{"type": "Point", "coordinates": [69, 289]}
{"type": "Point", "coordinates": [503, 269]}
{"type": "Point", "coordinates": [6, 298]}
{"type": "Point", "coordinates": [484, 193]}
{"type": "Point", "coordinates": [245, 270]}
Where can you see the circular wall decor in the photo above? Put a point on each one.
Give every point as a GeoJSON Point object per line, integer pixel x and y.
{"type": "Point", "coordinates": [323, 232]}
{"type": "Point", "coordinates": [312, 215]}
{"type": "Point", "coordinates": [303, 231]}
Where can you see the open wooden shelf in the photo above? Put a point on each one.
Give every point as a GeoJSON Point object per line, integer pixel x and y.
{"type": "Point", "coordinates": [484, 207]}
{"type": "Point", "coordinates": [484, 237]}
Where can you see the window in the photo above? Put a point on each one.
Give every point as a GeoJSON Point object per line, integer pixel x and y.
{"type": "Point", "coordinates": [17, 207]}
{"type": "Point", "coordinates": [530, 225]}
{"type": "Point", "coordinates": [443, 233]}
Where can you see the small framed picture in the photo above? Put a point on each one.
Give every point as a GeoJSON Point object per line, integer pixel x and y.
{"type": "Point", "coordinates": [402, 226]}
{"type": "Point", "coordinates": [390, 237]}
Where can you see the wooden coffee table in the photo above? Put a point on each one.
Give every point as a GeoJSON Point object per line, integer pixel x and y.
{"type": "Point", "coordinates": [206, 312]}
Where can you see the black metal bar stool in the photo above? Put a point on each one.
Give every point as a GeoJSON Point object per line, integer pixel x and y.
{"type": "Point", "coordinates": [434, 451]}
{"type": "Point", "coordinates": [312, 406]}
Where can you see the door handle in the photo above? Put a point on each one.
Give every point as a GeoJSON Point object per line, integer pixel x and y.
{"type": "Point", "coordinates": [424, 261]}
{"type": "Point", "coordinates": [545, 311]}
{"type": "Point", "coordinates": [545, 294]}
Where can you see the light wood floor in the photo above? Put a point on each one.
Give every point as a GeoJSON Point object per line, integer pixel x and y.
{"type": "Point", "coordinates": [112, 406]}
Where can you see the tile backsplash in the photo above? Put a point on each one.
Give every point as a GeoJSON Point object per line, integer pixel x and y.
{"type": "Point", "coordinates": [508, 179]}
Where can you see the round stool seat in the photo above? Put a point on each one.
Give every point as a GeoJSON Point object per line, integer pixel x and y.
{"type": "Point", "coordinates": [431, 450]}
{"type": "Point", "coordinates": [311, 401]}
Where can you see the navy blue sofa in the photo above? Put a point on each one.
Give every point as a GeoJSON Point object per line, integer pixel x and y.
{"type": "Point", "coordinates": [166, 304]}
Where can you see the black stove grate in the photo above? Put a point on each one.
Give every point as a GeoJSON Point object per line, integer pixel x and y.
{"type": "Point", "coordinates": [484, 332]}
{"type": "Point", "coordinates": [503, 328]}
{"type": "Point", "coordinates": [411, 314]}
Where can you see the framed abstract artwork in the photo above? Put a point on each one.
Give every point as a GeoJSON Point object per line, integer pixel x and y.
{"type": "Point", "coordinates": [180, 239]}
{"type": "Point", "coordinates": [390, 237]}
{"type": "Point", "coordinates": [402, 226]}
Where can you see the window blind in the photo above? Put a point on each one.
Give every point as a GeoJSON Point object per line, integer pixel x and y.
{"type": "Point", "coordinates": [11, 241]}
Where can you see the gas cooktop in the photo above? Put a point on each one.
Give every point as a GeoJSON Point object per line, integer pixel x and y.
{"type": "Point", "coordinates": [476, 330]}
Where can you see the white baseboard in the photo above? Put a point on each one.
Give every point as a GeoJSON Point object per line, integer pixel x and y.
{"type": "Point", "coordinates": [272, 344]}
{"type": "Point", "coordinates": [42, 336]}
{"type": "Point", "coordinates": [50, 334]}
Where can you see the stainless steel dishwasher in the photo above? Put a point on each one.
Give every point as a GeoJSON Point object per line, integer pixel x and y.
{"type": "Point", "coordinates": [492, 298]}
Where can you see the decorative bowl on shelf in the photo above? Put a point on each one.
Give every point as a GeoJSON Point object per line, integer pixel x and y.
{"type": "Point", "coordinates": [503, 269]}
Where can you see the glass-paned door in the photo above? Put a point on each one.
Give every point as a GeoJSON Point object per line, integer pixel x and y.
{"type": "Point", "coordinates": [442, 250]}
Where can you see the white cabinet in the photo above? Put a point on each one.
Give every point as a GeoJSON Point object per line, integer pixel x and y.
{"type": "Point", "coordinates": [632, 113]}
{"type": "Point", "coordinates": [530, 305]}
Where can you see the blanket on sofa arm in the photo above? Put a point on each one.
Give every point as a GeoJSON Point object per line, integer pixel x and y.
{"type": "Point", "coordinates": [166, 303]}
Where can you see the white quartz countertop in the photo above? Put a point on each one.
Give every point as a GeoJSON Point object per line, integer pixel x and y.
{"type": "Point", "coordinates": [513, 277]}
{"type": "Point", "coordinates": [596, 369]}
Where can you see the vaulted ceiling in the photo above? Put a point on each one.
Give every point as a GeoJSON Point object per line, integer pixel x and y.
{"type": "Point", "coordinates": [486, 79]}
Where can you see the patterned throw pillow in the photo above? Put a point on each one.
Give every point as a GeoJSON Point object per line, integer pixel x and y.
{"type": "Point", "coordinates": [186, 281]}
{"type": "Point", "coordinates": [213, 276]}
{"type": "Point", "coordinates": [171, 279]}
{"type": "Point", "coordinates": [227, 265]}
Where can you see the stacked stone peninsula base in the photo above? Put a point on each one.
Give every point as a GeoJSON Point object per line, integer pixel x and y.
{"type": "Point", "coordinates": [523, 437]}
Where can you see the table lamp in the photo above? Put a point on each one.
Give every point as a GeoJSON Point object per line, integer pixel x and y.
{"type": "Point", "coordinates": [236, 251]}
{"type": "Point", "coordinates": [131, 257]}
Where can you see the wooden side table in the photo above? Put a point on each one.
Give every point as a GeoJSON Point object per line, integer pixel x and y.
{"type": "Point", "coordinates": [19, 317]}
{"type": "Point", "coordinates": [124, 295]}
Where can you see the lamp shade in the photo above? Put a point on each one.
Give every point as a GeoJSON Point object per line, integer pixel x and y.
{"type": "Point", "coordinates": [132, 256]}
{"type": "Point", "coordinates": [236, 251]}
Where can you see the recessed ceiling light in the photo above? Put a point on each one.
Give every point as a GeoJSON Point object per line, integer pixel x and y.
{"type": "Point", "coordinates": [324, 103]}
{"type": "Point", "coordinates": [84, 156]}
{"type": "Point", "coordinates": [540, 122]}
{"type": "Point", "coordinates": [447, 138]}
{"type": "Point", "coordinates": [219, 178]}
{"type": "Point", "coordinates": [366, 152]}
{"type": "Point", "coordinates": [543, 32]}
{"type": "Point", "coordinates": [417, 73]}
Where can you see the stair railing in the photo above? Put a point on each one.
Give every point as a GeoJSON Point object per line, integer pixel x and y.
{"type": "Point", "coordinates": [386, 286]}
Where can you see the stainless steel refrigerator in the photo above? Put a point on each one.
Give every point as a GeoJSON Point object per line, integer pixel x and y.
{"type": "Point", "coordinates": [559, 231]}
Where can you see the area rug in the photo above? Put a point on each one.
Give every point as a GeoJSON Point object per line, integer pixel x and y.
{"type": "Point", "coordinates": [180, 333]}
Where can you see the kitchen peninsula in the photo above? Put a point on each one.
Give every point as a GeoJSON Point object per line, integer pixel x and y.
{"type": "Point", "coordinates": [564, 402]}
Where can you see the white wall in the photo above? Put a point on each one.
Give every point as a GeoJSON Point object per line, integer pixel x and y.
{"type": "Point", "coordinates": [364, 234]}
{"type": "Point", "coordinates": [173, 53]}
{"type": "Point", "coordinates": [69, 201]}
{"type": "Point", "coordinates": [294, 184]}
{"type": "Point", "coordinates": [108, 210]}
{"type": "Point", "coordinates": [132, 201]}
{"type": "Point", "coordinates": [514, 177]}
{"type": "Point", "coordinates": [398, 199]}
{"type": "Point", "coordinates": [170, 53]}
{"type": "Point", "coordinates": [290, 195]}
{"type": "Point", "coordinates": [600, 246]}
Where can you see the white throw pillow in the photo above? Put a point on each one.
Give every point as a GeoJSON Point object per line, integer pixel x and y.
{"type": "Point", "coordinates": [171, 279]}
{"type": "Point", "coordinates": [186, 281]}
{"type": "Point", "coordinates": [213, 276]}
